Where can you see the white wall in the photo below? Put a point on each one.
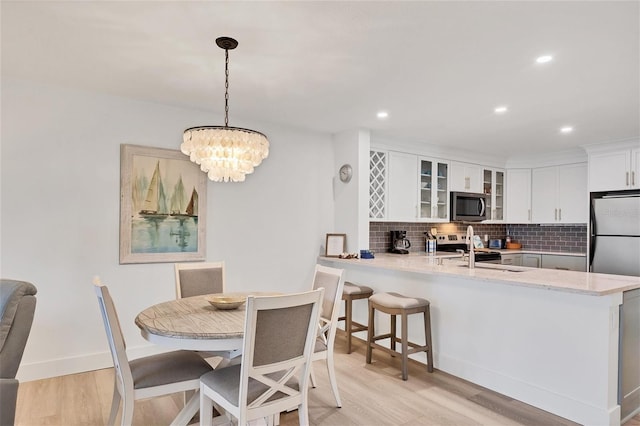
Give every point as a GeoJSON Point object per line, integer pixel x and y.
{"type": "Point", "coordinates": [351, 199]}
{"type": "Point", "coordinates": [60, 215]}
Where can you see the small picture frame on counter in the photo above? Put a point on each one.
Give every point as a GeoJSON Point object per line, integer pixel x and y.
{"type": "Point", "coordinates": [336, 244]}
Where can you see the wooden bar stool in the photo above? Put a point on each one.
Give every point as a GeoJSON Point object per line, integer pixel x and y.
{"type": "Point", "coordinates": [396, 304]}
{"type": "Point", "coordinates": [350, 293]}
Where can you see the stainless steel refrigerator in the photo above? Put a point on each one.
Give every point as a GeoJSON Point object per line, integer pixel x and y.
{"type": "Point", "coordinates": [615, 233]}
{"type": "Point", "coordinates": [615, 249]}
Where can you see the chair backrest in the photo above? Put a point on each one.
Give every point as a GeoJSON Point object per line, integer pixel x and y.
{"type": "Point", "coordinates": [279, 337]}
{"type": "Point", "coordinates": [332, 280]}
{"type": "Point", "coordinates": [17, 307]}
{"type": "Point", "coordinates": [117, 345]}
{"type": "Point", "coordinates": [196, 279]}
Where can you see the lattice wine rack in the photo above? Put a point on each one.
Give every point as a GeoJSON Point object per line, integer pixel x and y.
{"type": "Point", "coordinates": [377, 183]}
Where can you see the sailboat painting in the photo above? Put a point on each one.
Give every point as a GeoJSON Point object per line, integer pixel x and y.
{"type": "Point", "coordinates": [162, 206]}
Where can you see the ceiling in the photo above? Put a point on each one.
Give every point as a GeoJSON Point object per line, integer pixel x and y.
{"type": "Point", "coordinates": [438, 68]}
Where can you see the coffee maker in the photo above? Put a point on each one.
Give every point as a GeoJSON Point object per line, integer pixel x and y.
{"type": "Point", "coordinates": [399, 242]}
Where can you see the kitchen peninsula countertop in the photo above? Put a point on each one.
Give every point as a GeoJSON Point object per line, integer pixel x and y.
{"type": "Point", "coordinates": [504, 251]}
{"type": "Point", "coordinates": [451, 265]}
{"type": "Point", "coordinates": [527, 251]}
{"type": "Point", "coordinates": [546, 337]}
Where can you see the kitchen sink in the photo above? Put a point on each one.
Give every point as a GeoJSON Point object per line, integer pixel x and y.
{"type": "Point", "coordinates": [495, 268]}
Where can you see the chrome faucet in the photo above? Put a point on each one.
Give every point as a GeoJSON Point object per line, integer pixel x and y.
{"type": "Point", "coordinates": [472, 255]}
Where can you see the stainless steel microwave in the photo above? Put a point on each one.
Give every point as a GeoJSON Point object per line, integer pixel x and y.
{"type": "Point", "coordinates": [468, 207]}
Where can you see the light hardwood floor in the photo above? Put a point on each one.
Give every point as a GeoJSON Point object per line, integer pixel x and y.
{"type": "Point", "coordinates": [371, 395]}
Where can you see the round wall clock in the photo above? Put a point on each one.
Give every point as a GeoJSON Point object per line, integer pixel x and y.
{"type": "Point", "coordinates": [345, 173]}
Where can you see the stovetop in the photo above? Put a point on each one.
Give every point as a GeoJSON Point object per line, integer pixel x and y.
{"type": "Point", "coordinates": [453, 242]}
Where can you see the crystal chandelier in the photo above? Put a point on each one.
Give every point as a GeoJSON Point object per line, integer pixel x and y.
{"type": "Point", "coordinates": [225, 153]}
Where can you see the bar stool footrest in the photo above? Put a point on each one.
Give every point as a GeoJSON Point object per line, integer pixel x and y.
{"type": "Point", "coordinates": [356, 327]}
{"type": "Point", "coordinates": [413, 347]}
{"type": "Point", "coordinates": [382, 336]}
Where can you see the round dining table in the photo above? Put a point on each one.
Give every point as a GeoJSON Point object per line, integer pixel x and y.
{"type": "Point", "coordinates": [192, 323]}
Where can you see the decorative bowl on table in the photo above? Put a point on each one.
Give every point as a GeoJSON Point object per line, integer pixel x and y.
{"type": "Point", "coordinates": [226, 301]}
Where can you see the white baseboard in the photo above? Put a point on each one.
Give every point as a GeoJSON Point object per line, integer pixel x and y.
{"type": "Point", "coordinates": [78, 364]}
{"type": "Point", "coordinates": [545, 399]}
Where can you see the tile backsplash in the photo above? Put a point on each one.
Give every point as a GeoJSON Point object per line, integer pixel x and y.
{"type": "Point", "coordinates": [569, 238]}
{"type": "Point", "coordinates": [563, 238]}
{"type": "Point", "coordinates": [380, 233]}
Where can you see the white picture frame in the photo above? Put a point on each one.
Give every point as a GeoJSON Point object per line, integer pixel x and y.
{"type": "Point", "coordinates": [336, 244]}
{"type": "Point", "coordinates": [163, 206]}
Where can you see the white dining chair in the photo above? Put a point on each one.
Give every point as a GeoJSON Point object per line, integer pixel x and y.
{"type": "Point", "coordinates": [273, 376]}
{"type": "Point", "coordinates": [332, 280]}
{"type": "Point", "coordinates": [197, 279]}
{"type": "Point", "coordinates": [147, 377]}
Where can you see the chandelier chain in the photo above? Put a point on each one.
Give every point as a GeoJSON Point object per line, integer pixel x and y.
{"type": "Point", "coordinates": [226, 88]}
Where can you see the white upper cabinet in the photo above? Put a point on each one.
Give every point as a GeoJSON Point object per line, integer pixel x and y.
{"type": "Point", "coordinates": [518, 196]}
{"type": "Point", "coordinates": [493, 186]}
{"type": "Point", "coordinates": [466, 177]}
{"type": "Point", "coordinates": [573, 195]}
{"type": "Point", "coordinates": [434, 190]}
{"type": "Point", "coordinates": [402, 187]}
{"type": "Point", "coordinates": [614, 170]}
{"type": "Point", "coordinates": [559, 194]}
{"type": "Point", "coordinates": [544, 197]}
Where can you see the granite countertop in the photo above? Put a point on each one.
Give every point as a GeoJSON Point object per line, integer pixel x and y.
{"type": "Point", "coordinates": [451, 265]}
{"type": "Point", "coordinates": [525, 251]}
{"type": "Point", "coordinates": [503, 251]}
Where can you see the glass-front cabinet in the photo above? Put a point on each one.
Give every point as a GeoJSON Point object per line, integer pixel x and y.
{"type": "Point", "coordinates": [493, 186]}
{"type": "Point", "coordinates": [434, 190]}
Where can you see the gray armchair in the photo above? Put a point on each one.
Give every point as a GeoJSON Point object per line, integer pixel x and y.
{"type": "Point", "coordinates": [17, 305]}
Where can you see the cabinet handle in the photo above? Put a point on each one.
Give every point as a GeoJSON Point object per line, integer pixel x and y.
{"type": "Point", "coordinates": [559, 214]}
{"type": "Point", "coordinates": [633, 178]}
{"type": "Point", "coordinates": [555, 217]}
{"type": "Point", "coordinates": [466, 183]}
{"type": "Point", "coordinates": [529, 214]}
{"type": "Point", "coordinates": [627, 178]}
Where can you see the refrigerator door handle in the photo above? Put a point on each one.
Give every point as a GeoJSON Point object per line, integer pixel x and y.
{"type": "Point", "coordinates": [594, 231]}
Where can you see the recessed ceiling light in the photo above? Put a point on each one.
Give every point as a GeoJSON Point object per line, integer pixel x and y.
{"type": "Point", "coordinates": [566, 129]}
{"type": "Point", "coordinates": [544, 59]}
{"type": "Point", "coordinates": [500, 109]}
{"type": "Point", "coordinates": [382, 115]}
